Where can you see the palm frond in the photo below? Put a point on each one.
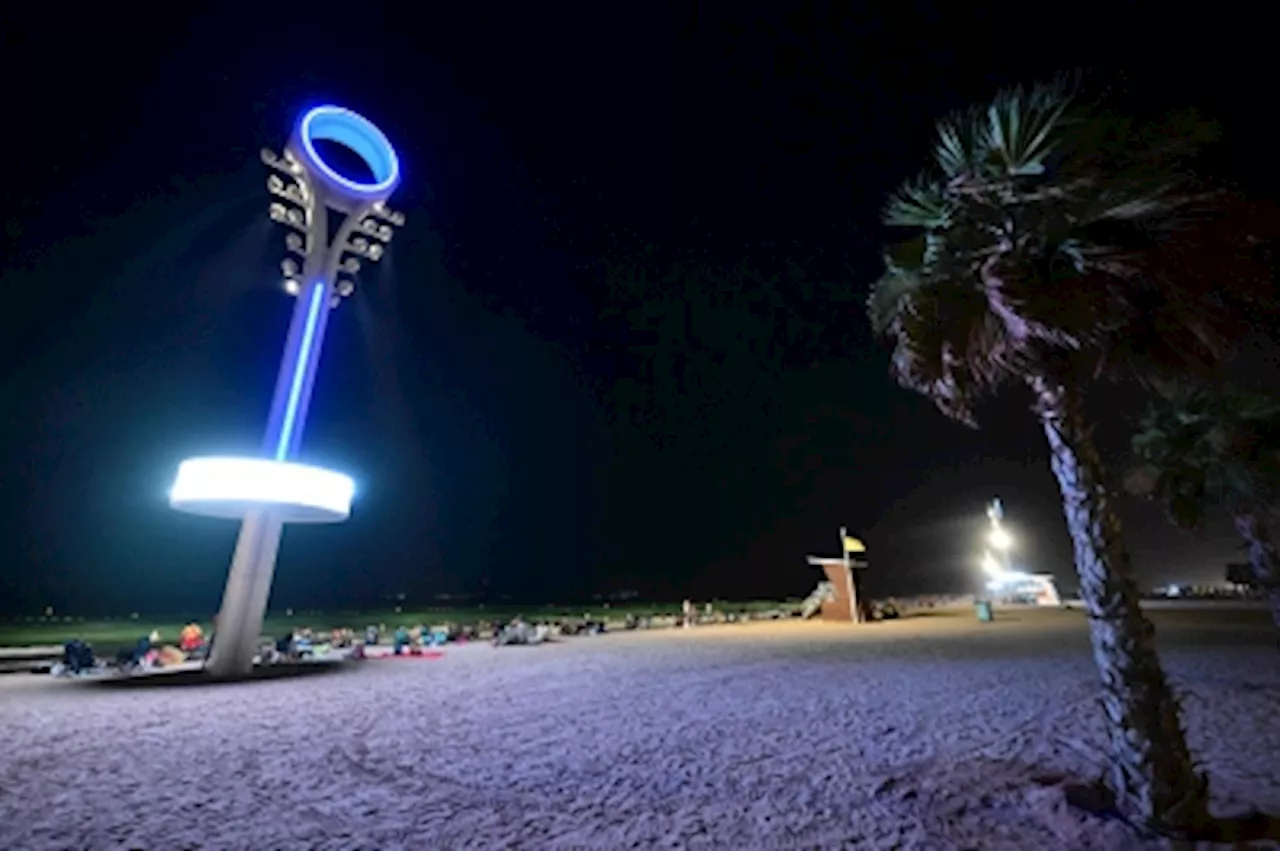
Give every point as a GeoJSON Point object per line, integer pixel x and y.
{"type": "Point", "coordinates": [959, 150]}
{"type": "Point", "coordinates": [886, 300]}
{"type": "Point", "coordinates": [1050, 232]}
{"type": "Point", "coordinates": [919, 203]}
{"type": "Point", "coordinates": [947, 344]}
{"type": "Point", "coordinates": [1211, 446]}
{"type": "Point", "coordinates": [907, 256]}
{"type": "Point", "coordinates": [1026, 127]}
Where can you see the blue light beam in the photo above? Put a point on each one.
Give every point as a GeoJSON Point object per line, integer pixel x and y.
{"type": "Point", "coordinates": [300, 366]}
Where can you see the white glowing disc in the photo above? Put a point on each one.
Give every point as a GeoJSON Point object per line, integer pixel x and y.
{"type": "Point", "coordinates": [232, 487]}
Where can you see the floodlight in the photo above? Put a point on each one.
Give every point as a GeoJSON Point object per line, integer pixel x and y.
{"type": "Point", "coordinates": [233, 487]}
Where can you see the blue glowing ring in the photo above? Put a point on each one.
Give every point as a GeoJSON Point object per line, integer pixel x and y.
{"type": "Point", "coordinates": [335, 124]}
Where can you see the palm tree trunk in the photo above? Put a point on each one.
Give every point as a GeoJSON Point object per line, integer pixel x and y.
{"type": "Point", "coordinates": [1262, 558]}
{"type": "Point", "coordinates": [1151, 772]}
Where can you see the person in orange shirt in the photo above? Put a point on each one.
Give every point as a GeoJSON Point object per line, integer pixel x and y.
{"type": "Point", "coordinates": [191, 639]}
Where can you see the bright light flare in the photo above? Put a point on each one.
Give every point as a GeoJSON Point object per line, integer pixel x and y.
{"type": "Point", "coordinates": [231, 487]}
{"type": "Point", "coordinates": [1000, 539]}
{"type": "Point", "coordinates": [1001, 578]}
{"type": "Point", "coordinates": [991, 565]}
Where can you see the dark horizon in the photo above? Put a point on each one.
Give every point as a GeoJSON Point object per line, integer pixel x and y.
{"type": "Point", "coordinates": [530, 402]}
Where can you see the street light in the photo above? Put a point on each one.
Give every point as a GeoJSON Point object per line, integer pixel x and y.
{"type": "Point", "coordinates": [1000, 539]}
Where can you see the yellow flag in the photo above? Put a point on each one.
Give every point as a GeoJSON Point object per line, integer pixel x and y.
{"type": "Point", "coordinates": [853, 545]}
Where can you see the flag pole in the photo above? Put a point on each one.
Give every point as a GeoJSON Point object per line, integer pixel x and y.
{"type": "Point", "coordinates": [848, 575]}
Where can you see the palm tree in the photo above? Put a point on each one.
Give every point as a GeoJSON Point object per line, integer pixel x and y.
{"type": "Point", "coordinates": [1203, 448]}
{"type": "Point", "coordinates": [1054, 243]}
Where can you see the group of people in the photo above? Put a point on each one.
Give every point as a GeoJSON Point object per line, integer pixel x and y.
{"type": "Point", "coordinates": [419, 637]}
{"type": "Point", "coordinates": [520, 631]}
{"type": "Point", "coordinates": [300, 643]}
{"type": "Point", "coordinates": [303, 643]}
{"type": "Point", "coordinates": [149, 651]}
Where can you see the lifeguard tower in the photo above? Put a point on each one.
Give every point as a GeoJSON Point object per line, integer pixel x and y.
{"type": "Point", "coordinates": [839, 597]}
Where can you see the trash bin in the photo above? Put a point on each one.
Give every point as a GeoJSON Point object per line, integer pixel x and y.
{"type": "Point", "coordinates": [983, 608]}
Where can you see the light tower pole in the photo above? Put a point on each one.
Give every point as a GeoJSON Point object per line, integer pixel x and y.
{"type": "Point", "coordinates": [999, 567]}
{"type": "Point", "coordinates": [334, 223]}
{"type": "Point", "coordinates": [998, 537]}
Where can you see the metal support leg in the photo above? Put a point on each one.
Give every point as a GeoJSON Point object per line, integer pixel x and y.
{"type": "Point", "coordinates": [244, 602]}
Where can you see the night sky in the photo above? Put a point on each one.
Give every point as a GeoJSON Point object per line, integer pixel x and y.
{"type": "Point", "coordinates": [621, 342]}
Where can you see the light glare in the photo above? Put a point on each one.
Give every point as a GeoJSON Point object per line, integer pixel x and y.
{"type": "Point", "coordinates": [230, 487]}
{"type": "Point", "coordinates": [991, 565]}
{"type": "Point", "coordinates": [1000, 539]}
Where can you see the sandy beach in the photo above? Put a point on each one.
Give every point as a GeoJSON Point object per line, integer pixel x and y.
{"type": "Point", "coordinates": [932, 733]}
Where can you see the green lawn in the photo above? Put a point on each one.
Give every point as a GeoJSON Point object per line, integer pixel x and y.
{"type": "Point", "coordinates": [107, 634]}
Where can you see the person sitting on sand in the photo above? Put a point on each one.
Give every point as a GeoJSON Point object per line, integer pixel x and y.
{"type": "Point", "coordinates": [400, 640]}
{"type": "Point", "coordinates": [139, 656]}
{"type": "Point", "coordinates": [371, 636]}
{"type": "Point", "coordinates": [302, 643]}
{"type": "Point", "coordinates": [77, 657]}
{"type": "Point", "coordinates": [191, 638]}
{"type": "Point", "coordinates": [519, 631]}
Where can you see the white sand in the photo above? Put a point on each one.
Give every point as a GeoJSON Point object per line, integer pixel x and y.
{"type": "Point", "coordinates": [930, 733]}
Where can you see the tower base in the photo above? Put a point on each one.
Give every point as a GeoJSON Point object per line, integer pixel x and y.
{"type": "Point", "coordinates": [846, 601]}
{"type": "Point", "coordinates": [238, 631]}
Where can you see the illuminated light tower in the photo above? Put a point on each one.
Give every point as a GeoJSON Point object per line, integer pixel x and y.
{"type": "Point", "coordinates": [998, 565]}
{"type": "Point", "coordinates": [267, 492]}
{"type": "Point", "coordinates": [998, 537]}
